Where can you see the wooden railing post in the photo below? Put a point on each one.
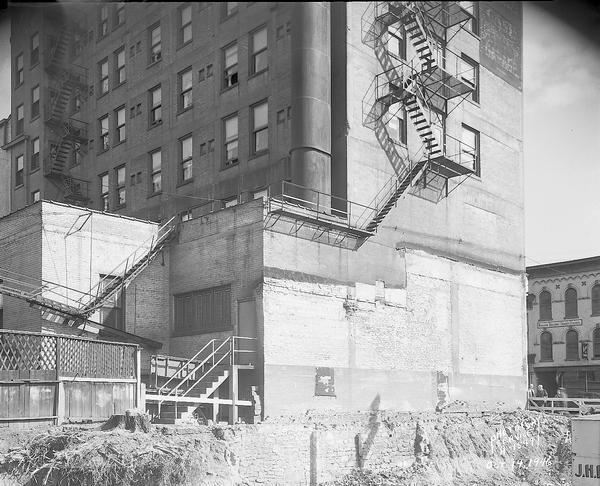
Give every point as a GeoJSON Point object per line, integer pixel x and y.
{"type": "Point", "coordinates": [138, 377]}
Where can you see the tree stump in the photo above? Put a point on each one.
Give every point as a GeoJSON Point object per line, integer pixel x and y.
{"type": "Point", "coordinates": [133, 420]}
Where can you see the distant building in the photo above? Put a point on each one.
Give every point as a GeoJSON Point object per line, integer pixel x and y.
{"type": "Point", "coordinates": [347, 178]}
{"type": "Point", "coordinates": [563, 320]}
{"type": "Point", "coordinates": [5, 168]}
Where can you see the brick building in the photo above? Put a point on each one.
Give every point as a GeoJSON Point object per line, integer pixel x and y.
{"type": "Point", "coordinates": [348, 177]}
{"type": "Point", "coordinates": [563, 320]}
{"type": "Point", "coordinates": [5, 168]}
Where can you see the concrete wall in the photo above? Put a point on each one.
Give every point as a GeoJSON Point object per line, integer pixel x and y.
{"type": "Point", "coordinates": [388, 342]}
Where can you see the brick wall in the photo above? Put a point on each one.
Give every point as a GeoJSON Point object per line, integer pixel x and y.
{"type": "Point", "coordinates": [389, 344]}
{"type": "Point", "coordinates": [222, 248]}
{"type": "Point", "coordinates": [21, 252]}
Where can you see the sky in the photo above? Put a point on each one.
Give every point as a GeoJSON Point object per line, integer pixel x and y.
{"type": "Point", "coordinates": [561, 102]}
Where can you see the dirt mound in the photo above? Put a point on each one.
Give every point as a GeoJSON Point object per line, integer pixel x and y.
{"type": "Point", "coordinates": [84, 457]}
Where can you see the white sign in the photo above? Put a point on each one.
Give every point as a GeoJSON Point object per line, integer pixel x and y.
{"type": "Point", "coordinates": [564, 323]}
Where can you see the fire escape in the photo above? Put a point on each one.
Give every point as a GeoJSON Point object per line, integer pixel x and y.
{"type": "Point", "coordinates": [427, 87]}
{"type": "Point", "coordinates": [69, 139]}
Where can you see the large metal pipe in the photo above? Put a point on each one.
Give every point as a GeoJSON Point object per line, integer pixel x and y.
{"type": "Point", "coordinates": [311, 97]}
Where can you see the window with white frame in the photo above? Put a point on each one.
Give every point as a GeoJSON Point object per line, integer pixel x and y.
{"type": "Point", "coordinates": [104, 192]}
{"type": "Point", "coordinates": [120, 132]}
{"type": "Point", "coordinates": [156, 171]}
{"type": "Point", "coordinates": [395, 42]}
{"type": "Point", "coordinates": [230, 129]}
{"type": "Point", "coordinates": [103, 130]}
{"type": "Point", "coordinates": [185, 24]}
{"type": "Point", "coordinates": [103, 76]}
{"type": "Point", "coordinates": [155, 105]}
{"type": "Point", "coordinates": [35, 101]}
{"type": "Point", "coordinates": [19, 76]}
{"type": "Point", "coordinates": [120, 72]}
{"type": "Point", "coordinates": [35, 153]}
{"type": "Point", "coordinates": [35, 196]}
{"type": "Point", "coordinates": [19, 172]}
{"type": "Point", "coordinates": [20, 119]}
{"type": "Point", "coordinates": [185, 149]}
{"type": "Point", "coordinates": [260, 127]}
{"type": "Point", "coordinates": [230, 66]}
{"type": "Point", "coordinates": [119, 15]}
{"type": "Point", "coordinates": [259, 59]}
{"type": "Point", "coordinates": [103, 24]}
{"type": "Point", "coordinates": [470, 75]}
{"type": "Point", "coordinates": [185, 89]}
{"type": "Point", "coordinates": [120, 178]}
{"type": "Point", "coordinates": [35, 48]}
{"type": "Point", "coordinates": [469, 149]}
{"type": "Point", "coordinates": [155, 44]}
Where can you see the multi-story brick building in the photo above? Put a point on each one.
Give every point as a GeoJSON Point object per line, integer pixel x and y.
{"type": "Point", "coordinates": [563, 320]}
{"type": "Point", "coordinates": [348, 176]}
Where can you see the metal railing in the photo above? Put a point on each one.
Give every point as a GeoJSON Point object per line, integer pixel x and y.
{"type": "Point", "coordinates": [580, 406]}
{"type": "Point", "coordinates": [321, 206]}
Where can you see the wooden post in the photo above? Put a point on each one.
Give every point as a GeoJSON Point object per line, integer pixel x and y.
{"type": "Point", "coordinates": [58, 389]}
{"type": "Point", "coordinates": [138, 377]}
{"type": "Point", "coordinates": [233, 393]}
{"type": "Point", "coordinates": [314, 471]}
{"type": "Point", "coordinates": [215, 407]}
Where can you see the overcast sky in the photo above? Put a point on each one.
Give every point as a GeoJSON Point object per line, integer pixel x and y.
{"type": "Point", "coordinates": [561, 84]}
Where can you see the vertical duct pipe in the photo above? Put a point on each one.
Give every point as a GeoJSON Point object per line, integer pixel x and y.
{"type": "Point", "coordinates": [311, 99]}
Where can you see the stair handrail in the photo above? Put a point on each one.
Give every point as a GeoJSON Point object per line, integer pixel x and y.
{"type": "Point", "coordinates": [215, 364]}
{"type": "Point", "coordinates": [105, 284]}
{"type": "Point", "coordinates": [188, 362]}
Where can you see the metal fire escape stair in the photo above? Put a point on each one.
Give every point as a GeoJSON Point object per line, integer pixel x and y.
{"type": "Point", "coordinates": [77, 313]}
{"type": "Point", "coordinates": [185, 384]}
{"type": "Point", "coordinates": [68, 77]}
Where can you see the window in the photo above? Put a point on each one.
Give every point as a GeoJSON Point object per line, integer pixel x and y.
{"type": "Point", "coordinates": [185, 22]}
{"type": "Point", "coordinates": [19, 70]}
{"type": "Point", "coordinates": [156, 171]}
{"type": "Point", "coordinates": [120, 74]}
{"type": "Point", "coordinates": [35, 153]}
{"type": "Point", "coordinates": [469, 149]}
{"type": "Point", "coordinates": [572, 344]}
{"type": "Point", "coordinates": [230, 128]}
{"type": "Point", "coordinates": [230, 66]}
{"type": "Point", "coordinates": [596, 340]}
{"type": "Point", "coordinates": [570, 303]}
{"type": "Point", "coordinates": [186, 215]}
{"type": "Point", "coordinates": [185, 89]}
{"type": "Point", "coordinates": [470, 75]}
{"type": "Point", "coordinates": [103, 26]}
{"type": "Point", "coordinates": [120, 176]}
{"type": "Point", "coordinates": [155, 44]}
{"type": "Point", "coordinates": [396, 46]}
{"type": "Point", "coordinates": [120, 125]}
{"type": "Point", "coordinates": [104, 188]}
{"type": "Point", "coordinates": [185, 147]}
{"type": "Point", "coordinates": [472, 11]}
{"type": "Point", "coordinates": [119, 15]}
{"type": "Point", "coordinates": [76, 154]}
{"type": "Point", "coordinates": [103, 129]}
{"type": "Point", "coordinates": [112, 312]}
{"type": "Point", "coordinates": [230, 8]}
{"type": "Point", "coordinates": [260, 127]}
{"type": "Point", "coordinates": [229, 203]}
{"type": "Point", "coordinates": [35, 196]}
{"type": "Point", "coordinates": [396, 124]}
{"type": "Point", "coordinates": [35, 49]}
{"type": "Point", "coordinates": [20, 119]}
{"type": "Point", "coordinates": [19, 172]}
{"type": "Point", "coordinates": [155, 105]}
{"type": "Point", "coordinates": [546, 346]}
{"type": "Point", "coordinates": [545, 306]}
{"type": "Point", "coordinates": [259, 60]}
{"type": "Point", "coordinates": [203, 311]}
{"type": "Point", "coordinates": [35, 101]}
{"type": "Point", "coordinates": [76, 100]}
{"type": "Point", "coordinates": [103, 76]}
{"type": "Point", "coordinates": [596, 300]}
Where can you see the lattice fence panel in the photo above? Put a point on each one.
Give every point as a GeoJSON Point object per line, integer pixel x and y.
{"type": "Point", "coordinates": [26, 352]}
{"type": "Point", "coordinates": [96, 360]}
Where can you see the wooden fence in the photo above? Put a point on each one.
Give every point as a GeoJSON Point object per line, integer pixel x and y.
{"type": "Point", "coordinates": [57, 378]}
{"type": "Point", "coordinates": [578, 406]}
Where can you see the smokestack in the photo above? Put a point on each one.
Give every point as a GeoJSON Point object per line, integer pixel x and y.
{"type": "Point", "coordinates": [311, 98]}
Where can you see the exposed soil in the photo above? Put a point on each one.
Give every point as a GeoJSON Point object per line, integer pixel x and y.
{"type": "Point", "coordinates": [494, 449]}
